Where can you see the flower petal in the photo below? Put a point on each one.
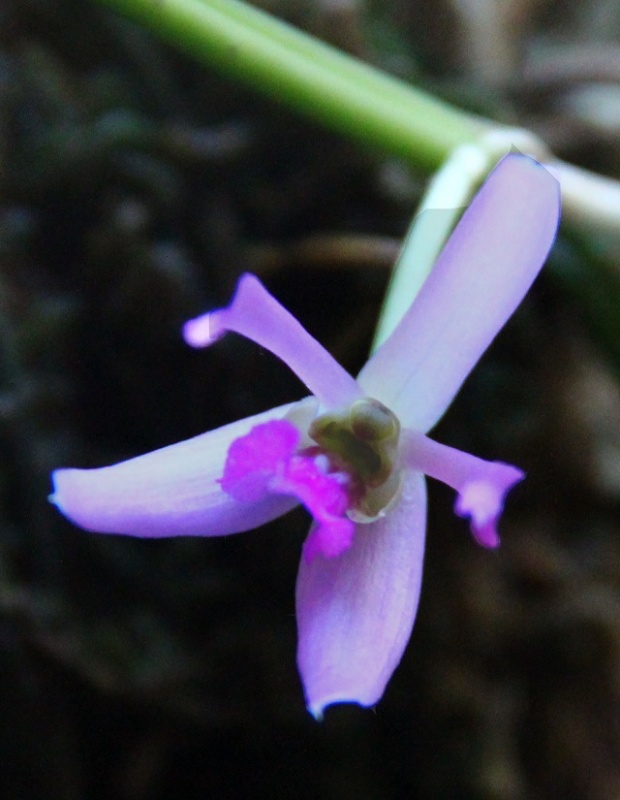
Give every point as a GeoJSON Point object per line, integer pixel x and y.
{"type": "Point", "coordinates": [355, 612]}
{"type": "Point", "coordinates": [481, 485]}
{"type": "Point", "coordinates": [254, 313]}
{"type": "Point", "coordinates": [480, 277]}
{"type": "Point", "coordinates": [174, 491]}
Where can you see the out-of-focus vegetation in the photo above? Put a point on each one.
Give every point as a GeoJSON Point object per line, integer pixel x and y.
{"type": "Point", "coordinates": [136, 187]}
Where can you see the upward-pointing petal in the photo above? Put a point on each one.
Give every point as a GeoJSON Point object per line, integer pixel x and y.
{"type": "Point", "coordinates": [480, 277]}
{"type": "Point", "coordinates": [254, 313]}
{"type": "Point", "coordinates": [174, 491]}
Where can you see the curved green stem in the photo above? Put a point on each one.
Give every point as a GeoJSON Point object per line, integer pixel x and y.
{"type": "Point", "coordinates": [342, 92]}
{"type": "Point", "coordinates": [378, 110]}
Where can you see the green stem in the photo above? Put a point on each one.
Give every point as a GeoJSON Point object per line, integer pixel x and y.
{"type": "Point", "coordinates": [330, 86]}
{"type": "Point", "coordinates": [378, 110]}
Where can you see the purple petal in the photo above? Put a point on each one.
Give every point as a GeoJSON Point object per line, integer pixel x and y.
{"type": "Point", "coordinates": [480, 277]}
{"type": "Point", "coordinates": [355, 612]}
{"type": "Point", "coordinates": [482, 485]}
{"type": "Point", "coordinates": [173, 491]}
{"type": "Point", "coordinates": [256, 314]}
{"type": "Point", "coordinates": [482, 500]}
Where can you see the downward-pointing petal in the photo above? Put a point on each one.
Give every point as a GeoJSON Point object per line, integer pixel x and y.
{"type": "Point", "coordinates": [355, 612]}
{"type": "Point", "coordinates": [174, 491]}
{"type": "Point", "coordinates": [482, 274]}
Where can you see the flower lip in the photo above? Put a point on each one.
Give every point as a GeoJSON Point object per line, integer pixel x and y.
{"type": "Point", "coordinates": [268, 459]}
{"type": "Point", "coordinates": [342, 479]}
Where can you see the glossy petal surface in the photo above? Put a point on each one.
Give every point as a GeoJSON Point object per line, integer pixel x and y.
{"type": "Point", "coordinates": [481, 276]}
{"type": "Point", "coordinates": [173, 491]}
{"type": "Point", "coordinates": [355, 612]}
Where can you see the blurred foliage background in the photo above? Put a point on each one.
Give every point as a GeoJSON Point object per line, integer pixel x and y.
{"type": "Point", "coordinates": [135, 188]}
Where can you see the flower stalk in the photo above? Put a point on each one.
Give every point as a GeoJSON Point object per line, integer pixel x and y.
{"type": "Point", "coordinates": [330, 86]}
{"type": "Point", "coordinates": [355, 98]}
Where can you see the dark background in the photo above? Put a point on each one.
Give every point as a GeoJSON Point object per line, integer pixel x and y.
{"type": "Point", "coordinates": [135, 187]}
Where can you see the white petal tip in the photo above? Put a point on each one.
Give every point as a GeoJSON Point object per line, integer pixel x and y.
{"type": "Point", "coordinates": [317, 709]}
{"type": "Point", "coordinates": [58, 496]}
{"type": "Point", "coordinates": [54, 497]}
{"type": "Point", "coordinates": [199, 332]}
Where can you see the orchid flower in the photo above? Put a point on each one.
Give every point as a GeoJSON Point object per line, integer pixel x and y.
{"type": "Point", "coordinates": [355, 453]}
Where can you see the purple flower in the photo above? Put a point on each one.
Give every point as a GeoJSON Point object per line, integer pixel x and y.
{"type": "Point", "coordinates": [356, 452]}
